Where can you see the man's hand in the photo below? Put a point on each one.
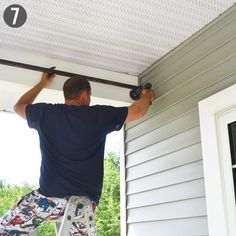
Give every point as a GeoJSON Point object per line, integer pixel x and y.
{"type": "Point", "coordinates": [47, 77]}
{"type": "Point", "coordinates": [140, 107]}
{"type": "Point", "coordinates": [151, 93]}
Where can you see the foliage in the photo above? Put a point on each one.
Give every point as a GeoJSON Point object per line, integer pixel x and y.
{"type": "Point", "coordinates": [47, 229]}
{"type": "Point", "coordinates": [108, 211]}
{"type": "Point", "coordinates": [10, 194]}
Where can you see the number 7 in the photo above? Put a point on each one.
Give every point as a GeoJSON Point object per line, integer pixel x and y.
{"type": "Point", "coordinates": [16, 9]}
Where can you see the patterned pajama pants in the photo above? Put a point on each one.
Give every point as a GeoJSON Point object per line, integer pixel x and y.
{"type": "Point", "coordinates": [34, 209]}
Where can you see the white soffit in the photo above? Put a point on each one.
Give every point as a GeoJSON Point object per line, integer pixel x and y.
{"type": "Point", "coordinates": [125, 36]}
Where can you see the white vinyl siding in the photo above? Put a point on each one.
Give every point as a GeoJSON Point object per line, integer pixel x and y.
{"type": "Point", "coordinates": [165, 193]}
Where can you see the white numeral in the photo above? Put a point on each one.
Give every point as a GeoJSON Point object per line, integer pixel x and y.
{"type": "Point", "coordinates": [16, 9]}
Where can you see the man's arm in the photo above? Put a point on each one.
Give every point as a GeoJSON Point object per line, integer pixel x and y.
{"type": "Point", "coordinates": [140, 107]}
{"type": "Point", "coordinates": [29, 97]}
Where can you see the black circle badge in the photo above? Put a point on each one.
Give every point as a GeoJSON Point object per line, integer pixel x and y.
{"type": "Point", "coordinates": [15, 16]}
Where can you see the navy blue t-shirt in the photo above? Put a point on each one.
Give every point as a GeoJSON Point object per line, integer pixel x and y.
{"type": "Point", "coordinates": [72, 140]}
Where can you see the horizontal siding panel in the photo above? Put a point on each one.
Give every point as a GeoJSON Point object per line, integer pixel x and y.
{"type": "Point", "coordinates": [174, 176]}
{"type": "Point", "coordinates": [199, 81]}
{"type": "Point", "coordinates": [197, 54]}
{"type": "Point", "coordinates": [209, 62]}
{"type": "Point", "coordinates": [179, 125]}
{"type": "Point", "coordinates": [191, 100]}
{"type": "Point", "coordinates": [186, 190]}
{"type": "Point", "coordinates": [174, 210]}
{"type": "Point", "coordinates": [180, 141]}
{"type": "Point", "coordinates": [162, 118]}
{"type": "Point", "coordinates": [187, 155]}
{"type": "Point", "coordinates": [194, 48]}
{"type": "Point", "coordinates": [196, 226]}
{"type": "Point", "coordinates": [194, 85]}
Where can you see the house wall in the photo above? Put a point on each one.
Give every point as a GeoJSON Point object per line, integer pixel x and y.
{"type": "Point", "coordinates": [165, 192]}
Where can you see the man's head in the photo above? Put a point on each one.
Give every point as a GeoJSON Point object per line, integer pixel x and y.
{"type": "Point", "coordinates": [77, 91]}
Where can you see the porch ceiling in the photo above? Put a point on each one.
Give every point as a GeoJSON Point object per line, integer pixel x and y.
{"type": "Point", "coordinates": [117, 35]}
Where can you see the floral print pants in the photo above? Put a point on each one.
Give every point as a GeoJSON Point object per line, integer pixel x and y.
{"type": "Point", "coordinates": [34, 209]}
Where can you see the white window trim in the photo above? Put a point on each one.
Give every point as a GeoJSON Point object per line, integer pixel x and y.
{"type": "Point", "coordinates": [214, 117]}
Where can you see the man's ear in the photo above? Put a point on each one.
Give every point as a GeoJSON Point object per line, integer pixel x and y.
{"type": "Point", "coordinates": [83, 96]}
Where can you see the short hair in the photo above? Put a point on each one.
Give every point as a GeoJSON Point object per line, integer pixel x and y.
{"type": "Point", "coordinates": [73, 87]}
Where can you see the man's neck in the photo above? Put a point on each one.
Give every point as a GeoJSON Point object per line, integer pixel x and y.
{"type": "Point", "coordinates": [75, 102]}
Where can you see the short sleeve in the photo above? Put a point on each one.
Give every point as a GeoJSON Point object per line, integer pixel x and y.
{"type": "Point", "coordinates": [113, 117]}
{"type": "Point", "coordinates": [34, 113]}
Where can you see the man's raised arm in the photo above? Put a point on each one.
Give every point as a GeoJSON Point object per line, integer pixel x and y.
{"type": "Point", "coordinates": [140, 107]}
{"type": "Point", "coordinates": [29, 97]}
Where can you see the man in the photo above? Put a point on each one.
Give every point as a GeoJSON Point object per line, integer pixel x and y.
{"type": "Point", "coordinates": [72, 139]}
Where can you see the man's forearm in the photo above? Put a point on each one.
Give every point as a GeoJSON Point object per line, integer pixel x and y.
{"type": "Point", "coordinates": [139, 108]}
{"type": "Point", "coordinates": [27, 98]}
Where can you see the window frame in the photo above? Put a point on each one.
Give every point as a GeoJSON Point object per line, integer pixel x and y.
{"type": "Point", "coordinates": [215, 115]}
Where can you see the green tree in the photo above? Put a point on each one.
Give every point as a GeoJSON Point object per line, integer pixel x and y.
{"type": "Point", "coordinates": [10, 194]}
{"type": "Point", "coordinates": [108, 212]}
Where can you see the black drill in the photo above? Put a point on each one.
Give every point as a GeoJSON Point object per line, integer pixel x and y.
{"type": "Point", "coordinates": [135, 93]}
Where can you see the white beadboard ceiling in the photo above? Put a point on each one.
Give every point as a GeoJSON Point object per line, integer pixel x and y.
{"type": "Point", "coordinates": [125, 36]}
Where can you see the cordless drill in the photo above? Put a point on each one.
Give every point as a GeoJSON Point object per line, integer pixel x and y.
{"type": "Point", "coordinates": [136, 93]}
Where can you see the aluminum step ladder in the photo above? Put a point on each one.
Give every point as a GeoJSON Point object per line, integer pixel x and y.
{"type": "Point", "coordinates": [86, 217]}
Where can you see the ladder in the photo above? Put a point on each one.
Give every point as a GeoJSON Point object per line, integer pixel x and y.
{"type": "Point", "coordinates": [86, 217]}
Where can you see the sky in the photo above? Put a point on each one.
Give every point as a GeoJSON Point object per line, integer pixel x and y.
{"type": "Point", "coordinates": [19, 150]}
